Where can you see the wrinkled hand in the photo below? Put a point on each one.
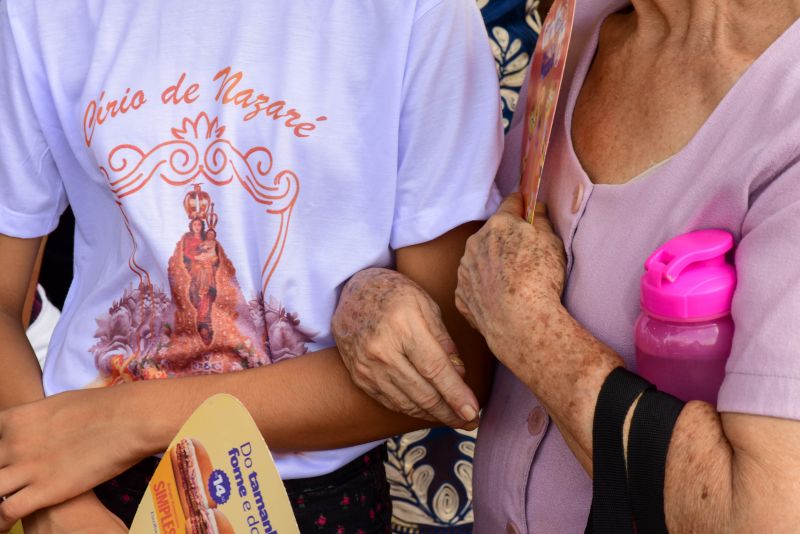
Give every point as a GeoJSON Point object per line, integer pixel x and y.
{"type": "Point", "coordinates": [81, 515]}
{"type": "Point", "coordinates": [390, 334]}
{"type": "Point", "coordinates": [511, 276]}
{"type": "Point", "coordinates": [60, 447]}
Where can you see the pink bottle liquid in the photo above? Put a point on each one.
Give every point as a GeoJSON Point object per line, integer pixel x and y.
{"type": "Point", "coordinates": [684, 333]}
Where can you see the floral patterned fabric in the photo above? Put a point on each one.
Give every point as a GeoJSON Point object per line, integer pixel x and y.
{"type": "Point", "coordinates": [513, 27]}
{"type": "Point", "coordinates": [430, 471]}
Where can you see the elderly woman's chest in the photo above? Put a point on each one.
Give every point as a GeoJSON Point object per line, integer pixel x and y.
{"type": "Point", "coordinates": [639, 105]}
{"type": "Point", "coordinates": [614, 230]}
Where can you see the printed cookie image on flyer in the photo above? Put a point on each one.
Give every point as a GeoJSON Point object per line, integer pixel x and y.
{"type": "Point", "coordinates": [191, 467]}
{"type": "Point", "coordinates": [194, 477]}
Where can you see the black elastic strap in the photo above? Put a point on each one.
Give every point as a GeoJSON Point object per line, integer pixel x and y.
{"type": "Point", "coordinates": [648, 443]}
{"type": "Point", "coordinates": [611, 507]}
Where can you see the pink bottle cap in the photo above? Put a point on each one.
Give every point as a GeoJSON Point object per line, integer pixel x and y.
{"type": "Point", "coordinates": [688, 278]}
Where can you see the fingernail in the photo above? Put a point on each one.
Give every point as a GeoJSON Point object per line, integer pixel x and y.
{"type": "Point", "coordinates": [470, 426]}
{"type": "Point", "coordinates": [468, 413]}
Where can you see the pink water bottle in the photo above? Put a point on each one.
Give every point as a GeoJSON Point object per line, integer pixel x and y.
{"type": "Point", "coordinates": [684, 332]}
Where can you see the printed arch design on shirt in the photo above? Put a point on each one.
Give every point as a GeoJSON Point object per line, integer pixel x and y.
{"type": "Point", "coordinates": [199, 150]}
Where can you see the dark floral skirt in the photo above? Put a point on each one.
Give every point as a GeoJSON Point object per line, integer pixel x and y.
{"type": "Point", "coordinates": [351, 500]}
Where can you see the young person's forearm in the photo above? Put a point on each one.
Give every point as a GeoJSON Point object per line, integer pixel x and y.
{"type": "Point", "coordinates": [322, 409]}
{"type": "Point", "coordinates": [21, 377]}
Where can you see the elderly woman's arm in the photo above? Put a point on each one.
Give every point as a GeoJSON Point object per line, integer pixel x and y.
{"type": "Point", "coordinates": [407, 360]}
{"type": "Point", "coordinates": [724, 472]}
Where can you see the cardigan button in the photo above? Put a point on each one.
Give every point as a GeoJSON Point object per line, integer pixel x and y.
{"type": "Point", "coordinates": [536, 421]}
{"type": "Point", "coordinates": [577, 199]}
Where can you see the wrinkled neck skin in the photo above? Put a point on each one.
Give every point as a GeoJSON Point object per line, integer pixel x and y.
{"type": "Point", "coordinates": [661, 68]}
{"type": "Point", "coordinates": [743, 28]}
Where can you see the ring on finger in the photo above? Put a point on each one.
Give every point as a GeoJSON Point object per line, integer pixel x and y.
{"type": "Point", "coordinates": [455, 360]}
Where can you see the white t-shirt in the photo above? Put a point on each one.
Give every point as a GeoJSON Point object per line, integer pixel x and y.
{"type": "Point", "coordinates": [313, 138]}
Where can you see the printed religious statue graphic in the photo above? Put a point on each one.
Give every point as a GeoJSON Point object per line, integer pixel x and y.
{"type": "Point", "coordinates": [212, 331]}
{"type": "Point", "coordinates": [202, 323]}
{"type": "Point", "coordinates": [201, 256]}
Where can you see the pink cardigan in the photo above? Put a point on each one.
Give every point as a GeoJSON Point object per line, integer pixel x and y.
{"type": "Point", "coordinates": [741, 172]}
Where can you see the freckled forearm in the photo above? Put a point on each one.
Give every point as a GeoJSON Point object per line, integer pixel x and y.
{"type": "Point", "coordinates": [711, 485]}
{"type": "Point", "coordinates": [367, 294]}
{"type": "Point", "coordinates": [699, 481]}
{"type": "Point", "coordinates": [565, 367]}
{"type": "Point", "coordinates": [732, 472]}
{"type": "Point", "coordinates": [566, 370]}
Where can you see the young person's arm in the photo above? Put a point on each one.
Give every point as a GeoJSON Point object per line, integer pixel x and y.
{"type": "Point", "coordinates": [59, 447]}
{"type": "Point", "coordinates": [27, 308]}
{"type": "Point", "coordinates": [21, 379]}
{"type": "Point", "coordinates": [449, 142]}
{"type": "Point", "coordinates": [21, 382]}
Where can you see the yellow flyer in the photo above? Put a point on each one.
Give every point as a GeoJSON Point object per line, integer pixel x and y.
{"type": "Point", "coordinates": [217, 477]}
